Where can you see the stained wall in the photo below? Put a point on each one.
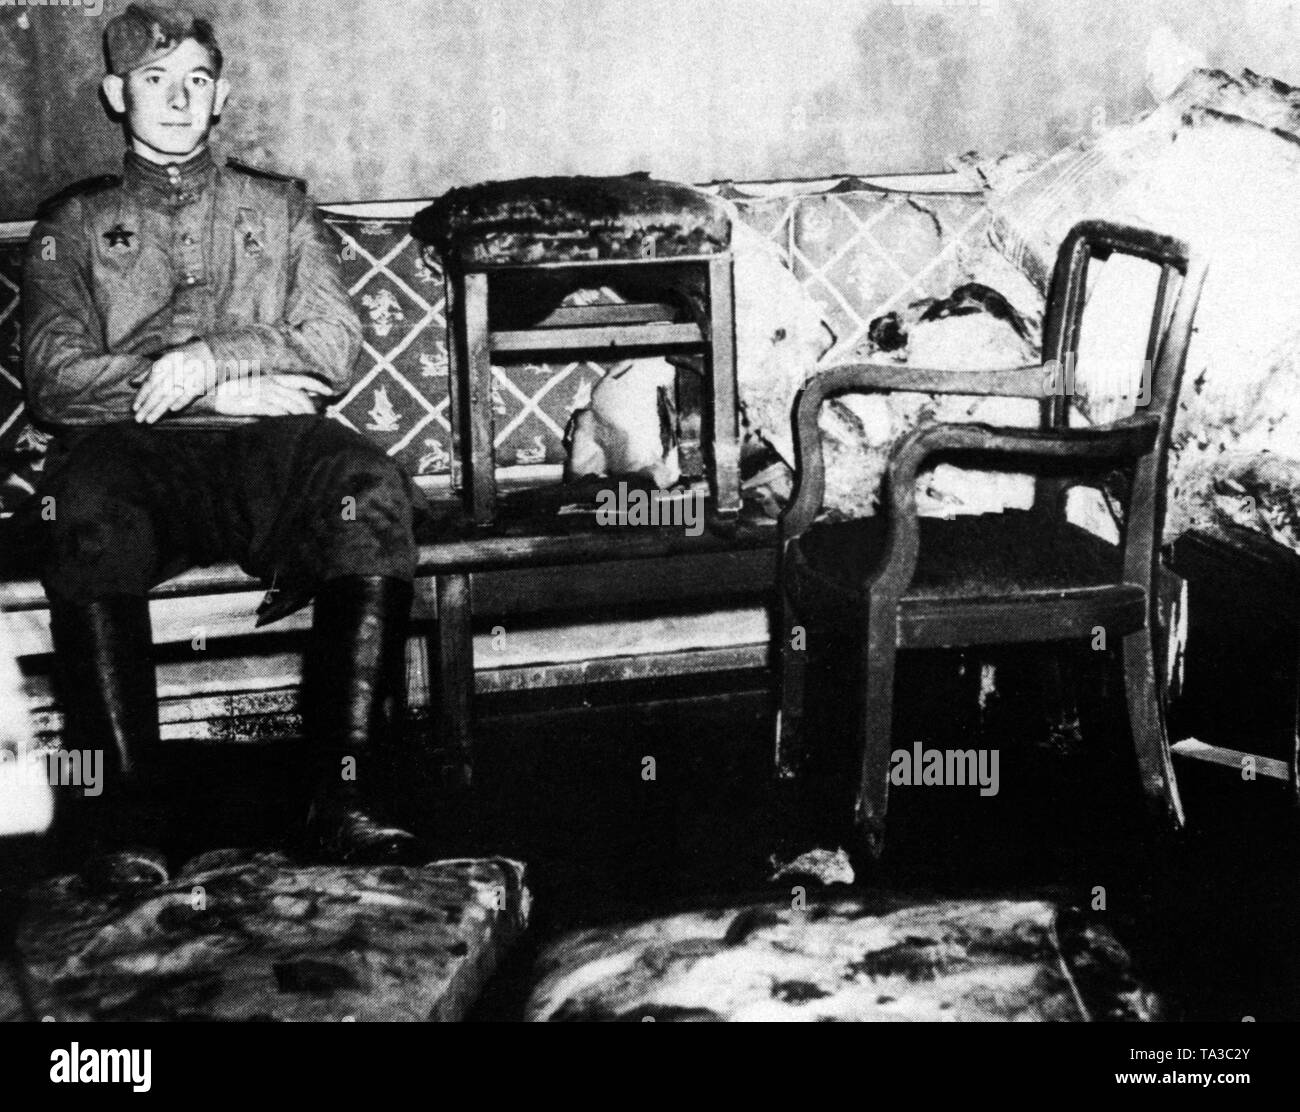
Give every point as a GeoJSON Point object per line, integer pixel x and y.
{"type": "Point", "coordinates": [400, 98]}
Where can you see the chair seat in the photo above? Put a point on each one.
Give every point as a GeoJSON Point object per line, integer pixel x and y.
{"type": "Point", "coordinates": [573, 219]}
{"type": "Point", "coordinates": [1006, 570]}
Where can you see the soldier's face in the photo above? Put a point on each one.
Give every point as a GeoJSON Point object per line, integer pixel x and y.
{"type": "Point", "coordinates": [170, 105]}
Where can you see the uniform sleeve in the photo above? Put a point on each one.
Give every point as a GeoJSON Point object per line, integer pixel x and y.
{"type": "Point", "coordinates": [321, 332]}
{"type": "Point", "coordinates": [71, 379]}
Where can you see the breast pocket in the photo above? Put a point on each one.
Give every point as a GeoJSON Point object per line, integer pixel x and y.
{"type": "Point", "coordinates": [257, 255]}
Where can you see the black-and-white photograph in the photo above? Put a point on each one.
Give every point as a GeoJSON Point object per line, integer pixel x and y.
{"type": "Point", "coordinates": [637, 510]}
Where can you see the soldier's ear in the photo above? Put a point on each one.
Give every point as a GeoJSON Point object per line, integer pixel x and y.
{"type": "Point", "coordinates": [115, 93]}
{"type": "Point", "coordinates": [223, 91]}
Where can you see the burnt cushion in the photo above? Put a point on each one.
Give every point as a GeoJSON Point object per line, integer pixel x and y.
{"type": "Point", "coordinates": [574, 219]}
{"type": "Point", "coordinates": [242, 936]}
{"type": "Point", "coordinates": [881, 959]}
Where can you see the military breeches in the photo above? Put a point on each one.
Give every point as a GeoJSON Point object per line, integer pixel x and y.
{"type": "Point", "coordinates": [295, 501]}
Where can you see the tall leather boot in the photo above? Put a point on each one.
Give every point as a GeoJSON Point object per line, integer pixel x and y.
{"type": "Point", "coordinates": [107, 687]}
{"type": "Point", "coordinates": [354, 700]}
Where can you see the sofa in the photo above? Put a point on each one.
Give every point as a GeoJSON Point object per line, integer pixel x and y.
{"type": "Point", "coordinates": [878, 258]}
{"type": "Point", "coordinates": [857, 248]}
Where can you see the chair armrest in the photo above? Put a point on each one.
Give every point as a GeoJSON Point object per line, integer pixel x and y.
{"type": "Point", "coordinates": [1029, 381]}
{"type": "Point", "coordinates": [1120, 441]}
{"type": "Point", "coordinates": [1012, 382]}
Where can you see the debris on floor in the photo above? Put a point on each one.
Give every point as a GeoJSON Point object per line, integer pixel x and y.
{"type": "Point", "coordinates": [826, 866]}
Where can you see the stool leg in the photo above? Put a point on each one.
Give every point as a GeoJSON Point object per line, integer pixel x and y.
{"type": "Point", "coordinates": [456, 375]}
{"type": "Point", "coordinates": [474, 366]}
{"type": "Point", "coordinates": [455, 677]}
{"type": "Point", "coordinates": [722, 386]}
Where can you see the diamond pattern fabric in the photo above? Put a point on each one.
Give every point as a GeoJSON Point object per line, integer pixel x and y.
{"type": "Point", "coordinates": [859, 253]}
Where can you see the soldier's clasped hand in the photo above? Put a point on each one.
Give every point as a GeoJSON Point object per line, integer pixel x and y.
{"type": "Point", "coordinates": [175, 380]}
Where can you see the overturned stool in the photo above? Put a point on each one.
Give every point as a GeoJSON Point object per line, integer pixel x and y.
{"type": "Point", "coordinates": [515, 252]}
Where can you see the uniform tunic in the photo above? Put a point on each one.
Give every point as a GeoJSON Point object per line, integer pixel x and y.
{"type": "Point", "coordinates": [126, 269]}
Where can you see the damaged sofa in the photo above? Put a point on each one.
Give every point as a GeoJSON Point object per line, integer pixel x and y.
{"type": "Point", "coordinates": [791, 306]}
{"type": "Point", "coordinates": [941, 269]}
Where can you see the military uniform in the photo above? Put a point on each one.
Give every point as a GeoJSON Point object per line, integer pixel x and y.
{"type": "Point", "coordinates": [172, 259]}
{"type": "Point", "coordinates": [125, 269]}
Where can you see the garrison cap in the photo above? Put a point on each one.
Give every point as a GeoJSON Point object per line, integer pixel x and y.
{"type": "Point", "coordinates": [144, 34]}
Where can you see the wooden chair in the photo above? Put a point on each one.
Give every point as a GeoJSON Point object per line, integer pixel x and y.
{"type": "Point", "coordinates": [899, 582]}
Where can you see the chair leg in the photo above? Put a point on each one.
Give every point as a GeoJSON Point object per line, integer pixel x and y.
{"type": "Point", "coordinates": [789, 755]}
{"type": "Point", "coordinates": [789, 766]}
{"type": "Point", "coordinates": [472, 418]}
{"type": "Point", "coordinates": [1147, 722]}
{"type": "Point", "coordinates": [876, 669]}
{"type": "Point", "coordinates": [725, 446]}
{"type": "Point", "coordinates": [455, 715]}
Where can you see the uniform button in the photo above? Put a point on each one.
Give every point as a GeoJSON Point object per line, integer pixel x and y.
{"type": "Point", "coordinates": [187, 239]}
{"type": "Point", "coordinates": [190, 279]}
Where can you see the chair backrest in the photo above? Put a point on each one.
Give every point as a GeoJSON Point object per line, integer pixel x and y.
{"type": "Point", "coordinates": [1169, 335]}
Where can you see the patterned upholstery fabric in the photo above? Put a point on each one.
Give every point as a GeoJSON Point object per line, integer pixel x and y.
{"type": "Point", "coordinates": [11, 389]}
{"type": "Point", "coordinates": [861, 254]}
{"type": "Point", "coordinates": [567, 219]}
{"type": "Point", "coordinates": [399, 395]}
{"type": "Point", "coordinates": [22, 447]}
{"type": "Point", "coordinates": [858, 252]}
{"type": "Point", "coordinates": [399, 387]}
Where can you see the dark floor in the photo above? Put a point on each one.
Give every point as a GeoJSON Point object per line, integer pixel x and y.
{"type": "Point", "coordinates": [1212, 919]}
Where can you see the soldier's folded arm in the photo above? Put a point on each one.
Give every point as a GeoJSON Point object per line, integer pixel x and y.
{"type": "Point", "coordinates": [320, 334]}
{"type": "Point", "coordinates": [71, 378]}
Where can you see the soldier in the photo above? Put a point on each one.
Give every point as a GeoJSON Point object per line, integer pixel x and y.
{"type": "Point", "coordinates": [184, 325]}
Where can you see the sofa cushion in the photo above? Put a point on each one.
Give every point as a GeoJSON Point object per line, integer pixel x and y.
{"type": "Point", "coordinates": [240, 936]}
{"type": "Point", "coordinates": [21, 446]}
{"type": "Point", "coordinates": [398, 395]}
{"type": "Point", "coordinates": [890, 960]}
